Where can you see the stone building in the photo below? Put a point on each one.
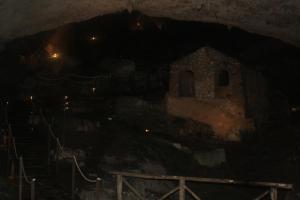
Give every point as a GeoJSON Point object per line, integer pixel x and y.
{"type": "Point", "coordinates": [207, 86]}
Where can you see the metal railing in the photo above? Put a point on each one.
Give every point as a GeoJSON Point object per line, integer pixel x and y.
{"type": "Point", "coordinates": [182, 188]}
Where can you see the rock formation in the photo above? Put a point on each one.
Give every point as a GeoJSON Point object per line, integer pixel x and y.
{"type": "Point", "coordinates": [276, 18]}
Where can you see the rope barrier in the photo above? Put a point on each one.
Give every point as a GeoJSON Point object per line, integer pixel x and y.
{"type": "Point", "coordinates": [25, 175]}
{"type": "Point", "coordinates": [20, 159]}
{"type": "Point", "coordinates": [70, 76]}
{"type": "Point", "coordinates": [22, 171]}
{"type": "Point", "coordinates": [15, 148]}
{"type": "Point", "coordinates": [63, 153]}
{"type": "Point", "coordinates": [81, 173]}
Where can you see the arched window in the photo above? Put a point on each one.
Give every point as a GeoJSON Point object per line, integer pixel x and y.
{"type": "Point", "coordinates": [223, 78]}
{"type": "Point", "coordinates": [186, 84]}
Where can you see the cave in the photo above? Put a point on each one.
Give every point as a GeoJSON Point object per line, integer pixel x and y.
{"type": "Point", "coordinates": [149, 102]}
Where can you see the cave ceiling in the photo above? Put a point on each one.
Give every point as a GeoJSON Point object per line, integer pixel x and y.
{"type": "Point", "coordinates": [275, 18]}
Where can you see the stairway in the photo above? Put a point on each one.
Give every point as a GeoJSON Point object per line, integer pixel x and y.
{"type": "Point", "coordinates": [31, 142]}
{"type": "Point", "coordinates": [31, 139]}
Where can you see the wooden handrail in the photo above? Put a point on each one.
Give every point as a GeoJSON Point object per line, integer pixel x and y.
{"type": "Point", "coordinates": [206, 180]}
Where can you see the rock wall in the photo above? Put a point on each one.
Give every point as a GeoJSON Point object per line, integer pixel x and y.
{"type": "Point", "coordinates": [276, 18]}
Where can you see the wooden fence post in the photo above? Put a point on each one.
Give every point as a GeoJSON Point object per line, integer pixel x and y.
{"type": "Point", "coordinates": [32, 189]}
{"type": "Point", "coordinates": [48, 149]}
{"type": "Point", "coordinates": [273, 193]}
{"type": "Point", "coordinates": [98, 186]}
{"type": "Point", "coordinates": [20, 178]}
{"type": "Point", "coordinates": [73, 180]}
{"type": "Point", "coordinates": [119, 187]}
{"type": "Point", "coordinates": [12, 170]}
{"type": "Point", "coordinates": [181, 188]}
{"type": "Point", "coordinates": [56, 155]}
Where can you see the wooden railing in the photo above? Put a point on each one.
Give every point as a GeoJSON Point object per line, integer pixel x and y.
{"type": "Point", "coordinates": [182, 188]}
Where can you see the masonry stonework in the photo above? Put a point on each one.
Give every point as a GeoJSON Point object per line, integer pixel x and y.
{"type": "Point", "coordinates": [220, 106]}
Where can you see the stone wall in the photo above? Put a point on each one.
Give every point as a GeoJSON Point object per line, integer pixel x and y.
{"type": "Point", "coordinates": [222, 107]}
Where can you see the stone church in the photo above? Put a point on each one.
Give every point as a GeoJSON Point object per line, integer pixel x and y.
{"type": "Point", "coordinates": [209, 87]}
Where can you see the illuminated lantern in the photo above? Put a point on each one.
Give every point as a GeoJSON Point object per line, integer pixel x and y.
{"type": "Point", "coordinates": [55, 56]}
{"type": "Point", "coordinates": [93, 38]}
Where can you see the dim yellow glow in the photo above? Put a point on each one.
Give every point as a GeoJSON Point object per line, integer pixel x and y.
{"type": "Point", "coordinates": [55, 56]}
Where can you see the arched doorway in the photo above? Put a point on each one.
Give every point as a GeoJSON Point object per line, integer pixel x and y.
{"type": "Point", "coordinates": [223, 78]}
{"type": "Point", "coordinates": [221, 84]}
{"type": "Point", "coordinates": [186, 84]}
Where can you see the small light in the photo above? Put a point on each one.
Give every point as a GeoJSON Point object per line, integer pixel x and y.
{"type": "Point", "coordinates": [55, 56]}
{"type": "Point", "coordinates": [67, 103]}
{"type": "Point", "coordinates": [94, 89]}
{"type": "Point", "coordinates": [93, 38]}
{"type": "Point", "coordinates": [294, 109]}
{"type": "Point", "coordinates": [109, 118]}
{"type": "Point", "coordinates": [66, 97]}
{"type": "Point", "coordinates": [147, 131]}
{"type": "Point", "coordinates": [138, 24]}
{"type": "Point", "coordinates": [6, 102]}
{"type": "Point", "coordinates": [31, 98]}
{"type": "Point", "coordinates": [67, 108]}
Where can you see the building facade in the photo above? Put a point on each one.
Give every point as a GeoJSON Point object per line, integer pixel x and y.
{"type": "Point", "coordinates": [207, 86]}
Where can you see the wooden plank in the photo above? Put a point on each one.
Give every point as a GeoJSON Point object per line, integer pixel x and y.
{"type": "Point", "coordinates": [20, 178]}
{"type": "Point", "coordinates": [133, 190]}
{"type": "Point", "coordinates": [73, 181]}
{"type": "Point", "coordinates": [119, 187]}
{"type": "Point", "coordinates": [262, 195]}
{"type": "Point", "coordinates": [192, 193]}
{"type": "Point", "coordinates": [168, 194]}
{"type": "Point", "coordinates": [98, 188]}
{"type": "Point", "coordinates": [181, 188]}
{"type": "Point", "coordinates": [273, 193]}
{"type": "Point", "coordinates": [207, 180]}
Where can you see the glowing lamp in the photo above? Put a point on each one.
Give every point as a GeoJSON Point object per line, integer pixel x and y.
{"type": "Point", "coordinates": [93, 38]}
{"type": "Point", "coordinates": [54, 56]}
